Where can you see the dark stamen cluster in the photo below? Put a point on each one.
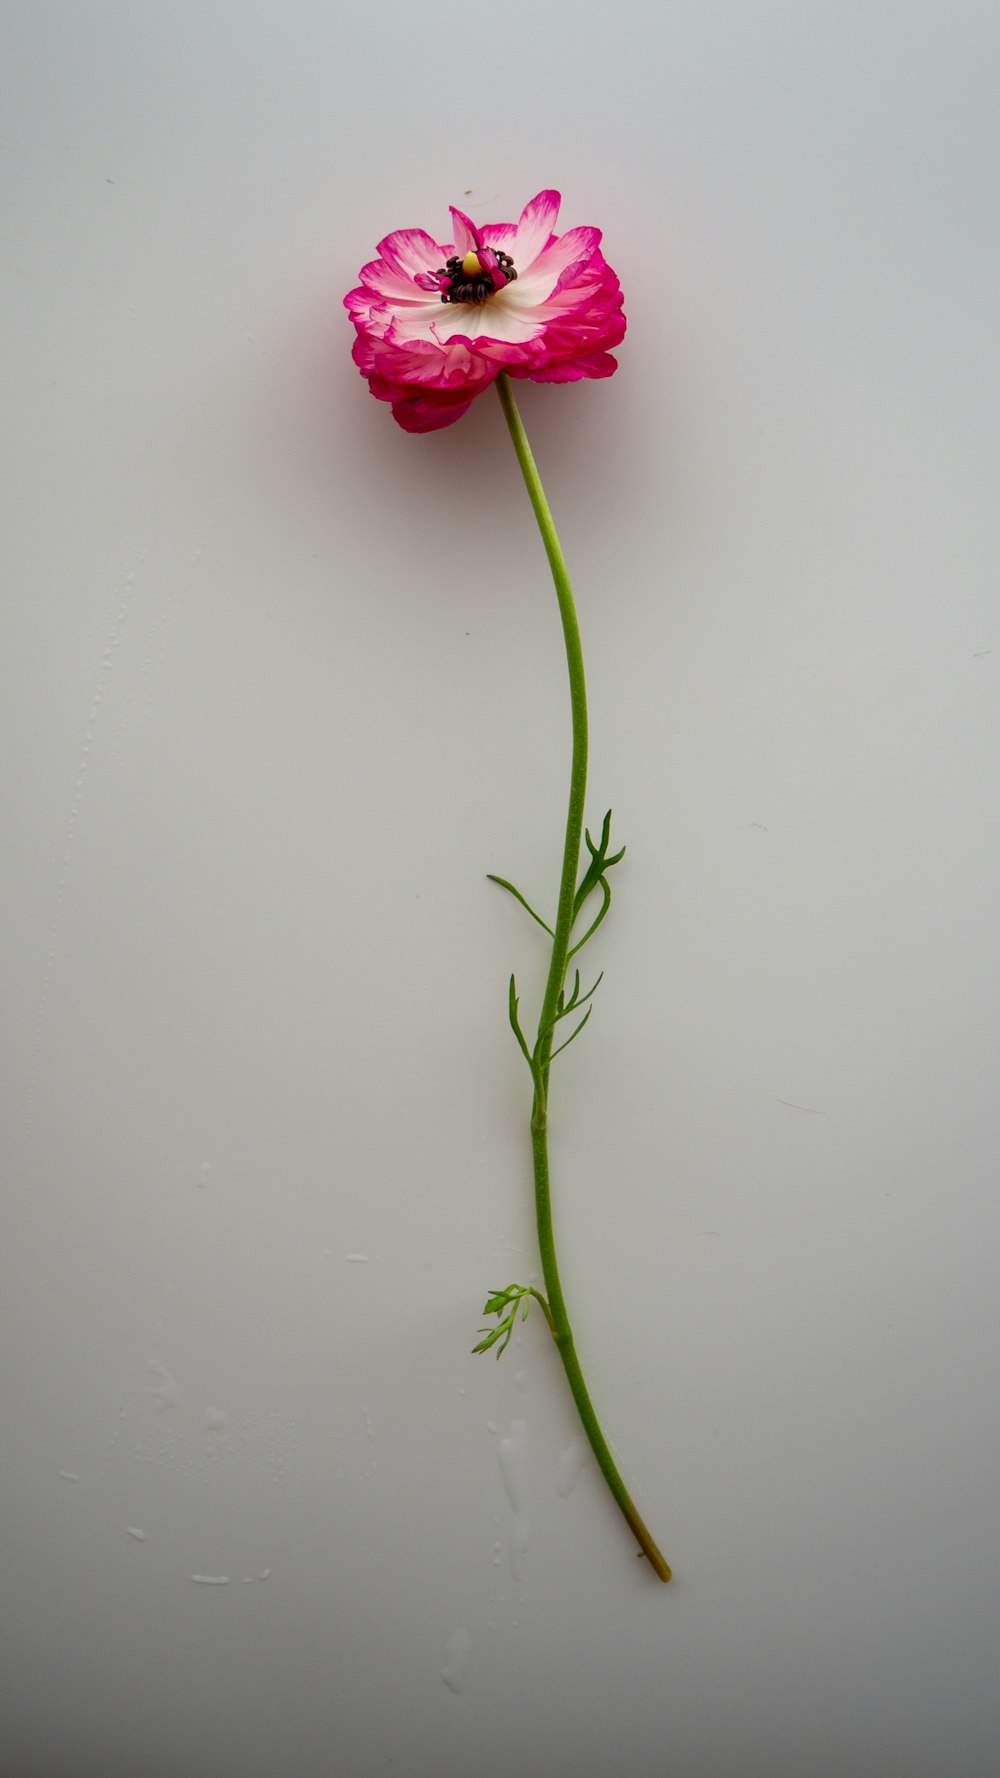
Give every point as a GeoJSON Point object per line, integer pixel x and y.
{"type": "Point", "coordinates": [472, 290]}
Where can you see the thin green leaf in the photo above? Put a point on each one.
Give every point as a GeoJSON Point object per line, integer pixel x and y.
{"type": "Point", "coordinates": [592, 991]}
{"type": "Point", "coordinates": [510, 1298]}
{"type": "Point", "coordinates": [592, 928]}
{"type": "Point", "coordinates": [516, 893]}
{"type": "Point", "coordinates": [575, 1001]}
{"type": "Point", "coordinates": [601, 850]}
{"type": "Point", "coordinates": [589, 881]}
{"type": "Point", "coordinates": [515, 1024]}
{"type": "Point", "coordinates": [491, 1339]}
{"type": "Point", "coordinates": [502, 1333]}
{"type": "Point", "coordinates": [576, 1033]}
{"type": "Point", "coordinates": [599, 863]}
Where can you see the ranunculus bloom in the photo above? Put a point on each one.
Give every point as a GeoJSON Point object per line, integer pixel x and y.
{"type": "Point", "coordinates": [437, 324]}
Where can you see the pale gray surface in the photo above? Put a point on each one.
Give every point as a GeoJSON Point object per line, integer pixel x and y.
{"type": "Point", "coordinates": [281, 684]}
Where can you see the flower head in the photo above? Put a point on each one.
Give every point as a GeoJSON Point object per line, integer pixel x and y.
{"type": "Point", "coordinates": [437, 324]}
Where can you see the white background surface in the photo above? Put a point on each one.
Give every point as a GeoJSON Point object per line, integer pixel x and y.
{"type": "Point", "coordinates": [281, 684]}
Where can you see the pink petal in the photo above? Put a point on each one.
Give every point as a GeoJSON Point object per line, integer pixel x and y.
{"type": "Point", "coordinates": [467, 235]}
{"type": "Point", "coordinates": [490, 263]}
{"type": "Point", "coordinates": [538, 219]}
{"type": "Point", "coordinates": [577, 250]}
{"type": "Point", "coordinates": [393, 286]}
{"type": "Point", "coordinates": [572, 370]}
{"type": "Point", "coordinates": [410, 250]}
{"type": "Point", "coordinates": [429, 413]}
{"type": "Point", "coordinates": [500, 234]}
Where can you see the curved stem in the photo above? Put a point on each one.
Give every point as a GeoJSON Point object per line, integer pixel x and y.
{"type": "Point", "coordinates": [559, 1319]}
{"type": "Point", "coordinates": [546, 1311]}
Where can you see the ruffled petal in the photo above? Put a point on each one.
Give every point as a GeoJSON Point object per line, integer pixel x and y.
{"type": "Point", "coordinates": [575, 248]}
{"type": "Point", "coordinates": [382, 280]}
{"type": "Point", "coordinates": [411, 250]}
{"type": "Point", "coordinates": [556, 321]}
{"type": "Point", "coordinates": [429, 413]}
{"type": "Point", "coordinates": [572, 370]}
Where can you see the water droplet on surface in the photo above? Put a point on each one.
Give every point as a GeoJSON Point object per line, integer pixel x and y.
{"type": "Point", "coordinates": [69, 1475]}
{"type": "Point", "coordinates": [263, 1574]}
{"type": "Point", "coordinates": [133, 1531]}
{"type": "Point", "coordinates": [357, 1259]}
{"type": "Point", "coordinates": [211, 1580]}
{"type": "Point", "coordinates": [520, 1378]}
{"type": "Point", "coordinates": [161, 1386]}
{"type": "Point", "coordinates": [456, 1672]}
{"type": "Point", "coordinates": [570, 1465]}
{"type": "Point", "coordinates": [216, 1422]}
{"type": "Point", "coordinates": [512, 1454]}
{"type": "Point", "coordinates": [491, 1425]}
{"type": "Point", "coordinates": [203, 1172]}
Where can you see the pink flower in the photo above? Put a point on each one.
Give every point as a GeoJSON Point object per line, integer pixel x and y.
{"type": "Point", "coordinates": [437, 324]}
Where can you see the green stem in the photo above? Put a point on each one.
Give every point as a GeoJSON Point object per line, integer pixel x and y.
{"type": "Point", "coordinates": [559, 1318]}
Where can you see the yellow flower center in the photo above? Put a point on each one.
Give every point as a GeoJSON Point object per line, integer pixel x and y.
{"type": "Point", "coordinates": [471, 267]}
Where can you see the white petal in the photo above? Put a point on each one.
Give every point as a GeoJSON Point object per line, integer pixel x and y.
{"type": "Point", "coordinates": [464, 235]}
{"type": "Point", "coordinates": [498, 318]}
{"type": "Point", "coordinates": [538, 219]}
{"type": "Point", "coordinates": [501, 235]}
{"type": "Point", "coordinates": [540, 280]}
